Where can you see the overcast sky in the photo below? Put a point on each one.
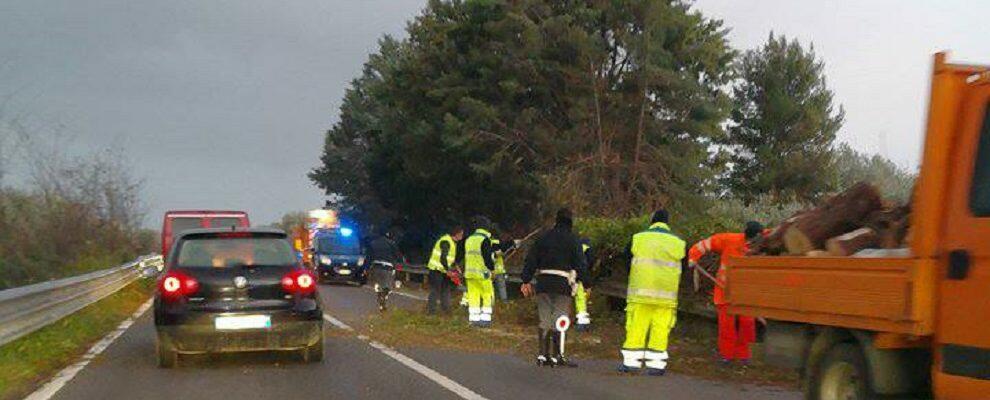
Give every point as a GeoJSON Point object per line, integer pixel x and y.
{"type": "Point", "coordinates": [223, 104]}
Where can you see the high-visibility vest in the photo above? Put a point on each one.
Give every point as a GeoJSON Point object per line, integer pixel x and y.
{"type": "Point", "coordinates": [499, 257]}
{"type": "Point", "coordinates": [436, 263]}
{"type": "Point", "coordinates": [474, 261]}
{"type": "Point", "coordinates": [655, 272]}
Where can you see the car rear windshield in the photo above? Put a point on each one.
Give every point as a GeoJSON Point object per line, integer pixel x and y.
{"type": "Point", "coordinates": [220, 252]}
{"type": "Point", "coordinates": [338, 244]}
{"type": "Point", "coordinates": [184, 224]}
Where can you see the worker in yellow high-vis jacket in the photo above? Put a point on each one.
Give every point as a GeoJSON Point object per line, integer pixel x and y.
{"type": "Point", "coordinates": [651, 298]}
{"type": "Point", "coordinates": [581, 315]}
{"type": "Point", "coordinates": [499, 280]}
{"type": "Point", "coordinates": [440, 266]}
{"type": "Point", "coordinates": [479, 264]}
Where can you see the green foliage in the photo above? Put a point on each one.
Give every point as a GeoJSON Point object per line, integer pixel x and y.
{"type": "Point", "coordinates": [611, 236]}
{"type": "Point", "coordinates": [784, 124]}
{"type": "Point", "coordinates": [513, 108]}
{"type": "Point", "coordinates": [894, 182]}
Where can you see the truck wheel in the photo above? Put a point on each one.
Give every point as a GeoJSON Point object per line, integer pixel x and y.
{"type": "Point", "coordinates": [841, 375]}
{"type": "Point", "coordinates": [168, 357]}
{"type": "Point", "coordinates": [313, 353]}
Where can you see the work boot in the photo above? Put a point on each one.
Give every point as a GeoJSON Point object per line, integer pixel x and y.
{"type": "Point", "coordinates": [625, 369]}
{"type": "Point", "coordinates": [563, 361]}
{"type": "Point", "coordinates": [543, 361]}
{"type": "Point", "coordinates": [655, 371]}
{"type": "Point", "coordinates": [558, 357]}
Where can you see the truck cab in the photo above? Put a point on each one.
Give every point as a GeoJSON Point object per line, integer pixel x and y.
{"type": "Point", "coordinates": [861, 327]}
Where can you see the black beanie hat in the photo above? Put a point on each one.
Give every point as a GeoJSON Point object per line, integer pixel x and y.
{"type": "Point", "coordinates": [753, 228]}
{"type": "Point", "coordinates": [660, 215]}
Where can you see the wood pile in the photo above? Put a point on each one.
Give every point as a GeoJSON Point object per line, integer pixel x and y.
{"type": "Point", "coordinates": [842, 225]}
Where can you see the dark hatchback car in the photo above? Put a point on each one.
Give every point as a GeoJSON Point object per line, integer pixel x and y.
{"type": "Point", "coordinates": [230, 290]}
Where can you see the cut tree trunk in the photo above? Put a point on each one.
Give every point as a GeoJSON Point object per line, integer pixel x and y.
{"type": "Point", "coordinates": [849, 243]}
{"type": "Point", "coordinates": [840, 214]}
{"type": "Point", "coordinates": [891, 225]}
{"type": "Point", "coordinates": [774, 243]}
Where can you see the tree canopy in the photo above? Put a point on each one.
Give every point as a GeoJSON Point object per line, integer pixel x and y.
{"type": "Point", "coordinates": [783, 124]}
{"type": "Point", "coordinates": [507, 108]}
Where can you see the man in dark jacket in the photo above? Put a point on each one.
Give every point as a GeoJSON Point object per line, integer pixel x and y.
{"type": "Point", "coordinates": [383, 250]}
{"type": "Point", "coordinates": [558, 263]}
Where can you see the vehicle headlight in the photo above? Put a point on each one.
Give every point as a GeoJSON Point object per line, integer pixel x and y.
{"type": "Point", "coordinates": [325, 259]}
{"type": "Point", "coordinates": [361, 261]}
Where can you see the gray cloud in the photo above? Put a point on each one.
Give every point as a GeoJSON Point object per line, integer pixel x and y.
{"type": "Point", "coordinates": [224, 102]}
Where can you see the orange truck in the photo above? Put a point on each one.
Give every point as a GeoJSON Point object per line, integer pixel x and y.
{"type": "Point", "coordinates": [920, 324]}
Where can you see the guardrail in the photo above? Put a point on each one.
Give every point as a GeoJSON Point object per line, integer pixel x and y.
{"type": "Point", "coordinates": [613, 290]}
{"type": "Point", "coordinates": [28, 308]}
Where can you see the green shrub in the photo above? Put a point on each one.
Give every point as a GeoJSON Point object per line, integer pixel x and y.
{"type": "Point", "coordinates": [610, 237]}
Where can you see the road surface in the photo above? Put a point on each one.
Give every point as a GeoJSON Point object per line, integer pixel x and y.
{"type": "Point", "coordinates": [356, 367]}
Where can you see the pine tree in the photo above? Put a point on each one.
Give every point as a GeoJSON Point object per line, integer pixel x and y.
{"type": "Point", "coordinates": [783, 124]}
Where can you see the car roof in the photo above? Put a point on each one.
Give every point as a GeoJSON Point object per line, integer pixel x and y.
{"type": "Point", "coordinates": [209, 231]}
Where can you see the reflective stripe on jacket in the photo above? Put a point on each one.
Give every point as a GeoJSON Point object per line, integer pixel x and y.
{"type": "Point", "coordinates": [474, 259]}
{"type": "Point", "coordinates": [727, 245]}
{"type": "Point", "coordinates": [436, 263]}
{"type": "Point", "coordinates": [655, 270]}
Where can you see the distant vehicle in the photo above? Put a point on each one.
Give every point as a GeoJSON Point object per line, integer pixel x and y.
{"type": "Point", "coordinates": [232, 290]}
{"type": "Point", "coordinates": [338, 256]}
{"type": "Point", "coordinates": [178, 221]}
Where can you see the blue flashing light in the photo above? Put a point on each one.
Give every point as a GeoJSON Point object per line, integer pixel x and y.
{"type": "Point", "coordinates": [346, 232]}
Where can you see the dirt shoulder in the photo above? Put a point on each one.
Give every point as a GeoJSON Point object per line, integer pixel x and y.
{"type": "Point", "coordinates": [692, 346]}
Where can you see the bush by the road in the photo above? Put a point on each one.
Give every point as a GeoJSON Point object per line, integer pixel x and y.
{"type": "Point", "coordinates": [75, 214]}
{"type": "Point", "coordinates": [42, 239]}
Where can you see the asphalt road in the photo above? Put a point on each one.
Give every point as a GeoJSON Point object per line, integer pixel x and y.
{"type": "Point", "coordinates": [357, 368]}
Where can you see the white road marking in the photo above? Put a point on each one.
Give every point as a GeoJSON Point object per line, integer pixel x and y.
{"type": "Point", "coordinates": [403, 294]}
{"type": "Point", "coordinates": [336, 322]}
{"type": "Point", "coordinates": [429, 373]}
{"type": "Point", "coordinates": [65, 375]}
{"type": "Point", "coordinates": [434, 376]}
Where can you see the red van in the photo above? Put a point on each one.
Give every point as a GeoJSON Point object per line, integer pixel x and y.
{"type": "Point", "coordinates": [178, 221]}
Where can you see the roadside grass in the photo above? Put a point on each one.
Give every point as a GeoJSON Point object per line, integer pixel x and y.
{"type": "Point", "coordinates": [31, 360]}
{"type": "Point", "coordinates": [692, 346]}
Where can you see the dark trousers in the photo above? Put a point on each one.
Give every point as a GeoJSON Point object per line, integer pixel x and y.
{"type": "Point", "coordinates": [439, 292]}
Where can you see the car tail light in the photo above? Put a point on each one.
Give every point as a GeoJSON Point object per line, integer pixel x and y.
{"type": "Point", "coordinates": [175, 285]}
{"type": "Point", "coordinates": [299, 281]}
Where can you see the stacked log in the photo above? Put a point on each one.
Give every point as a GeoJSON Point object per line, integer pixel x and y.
{"type": "Point", "coordinates": [849, 243]}
{"type": "Point", "coordinates": [842, 225]}
{"type": "Point", "coordinates": [840, 214]}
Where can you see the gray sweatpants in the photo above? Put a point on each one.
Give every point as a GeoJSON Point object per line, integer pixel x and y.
{"type": "Point", "coordinates": [551, 306]}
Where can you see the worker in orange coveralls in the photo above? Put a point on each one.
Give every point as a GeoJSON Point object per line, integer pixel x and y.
{"type": "Point", "coordinates": [735, 333]}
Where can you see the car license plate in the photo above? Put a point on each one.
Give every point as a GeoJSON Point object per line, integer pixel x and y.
{"type": "Point", "coordinates": [345, 272]}
{"type": "Point", "coordinates": [243, 322]}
